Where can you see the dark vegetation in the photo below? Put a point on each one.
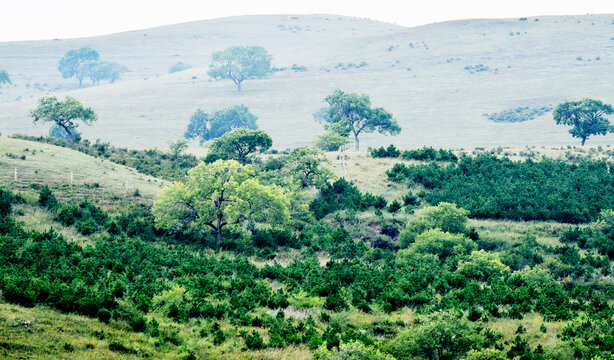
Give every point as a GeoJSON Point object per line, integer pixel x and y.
{"type": "Point", "coordinates": [457, 280]}
{"type": "Point", "coordinates": [424, 154]}
{"type": "Point", "coordinates": [519, 114]}
{"type": "Point", "coordinates": [491, 187]}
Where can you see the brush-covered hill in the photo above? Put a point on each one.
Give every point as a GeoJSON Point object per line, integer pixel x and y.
{"type": "Point", "coordinates": [438, 80]}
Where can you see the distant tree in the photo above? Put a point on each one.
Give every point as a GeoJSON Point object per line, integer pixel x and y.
{"type": "Point", "coordinates": [177, 147]}
{"type": "Point", "coordinates": [4, 77]}
{"type": "Point", "coordinates": [330, 140]}
{"type": "Point", "coordinates": [178, 66]}
{"type": "Point", "coordinates": [586, 116]}
{"type": "Point", "coordinates": [59, 133]}
{"type": "Point", "coordinates": [353, 113]}
{"type": "Point", "coordinates": [238, 145]}
{"type": "Point", "coordinates": [308, 165]}
{"type": "Point", "coordinates": [101, 70]}
{"type": "Point", "coordinates": [224, 193]}
{"type": "Point", "coordinates": [206, 127]}
{"type": "Point", "coordinates": [64, 114]}
{"type": "Point", "coordinates": [240, 63]}
{"type": "Point", "coordinates": [70, 63]}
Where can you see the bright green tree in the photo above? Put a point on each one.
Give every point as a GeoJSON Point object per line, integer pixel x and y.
{"type": "Point", "coordinates": [350, 113]}
{"type": "Point", "coordinates": [177, 147]}
{"type": "Point", "coordinates": [445, 216]}
{"type": "Point", "coordinates": [204, 127]}
{"type": "Point", "coordinates": [486, 354]}
{"type": "Point", "coordinates": [482, 265]}
{"type": "Point", "coordinates": [352, 350]}
{"type": "Point", "coordinates": [64, 114]}
{"type": "Point", "coordinates": [240, 63]}
{"type": "Point", "coordinates": [224, 193]}
{"type": "Point", "coordinates": [4, 77]}
{"type": "Point", "coordinates": [586, 117]}
{"type": "Point", "coordinates": [330, 140]}
{"type": "Point", "coordinates": [309, 166]}
{"type": "Point", "coordinates": [70, 63]}
{"type": "Point", "coordinates": [442, 335]}
{"type": "Point", "coordinates": [238, 145]}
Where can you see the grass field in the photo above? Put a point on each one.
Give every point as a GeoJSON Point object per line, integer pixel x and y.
{"type": "Point", "coordinates": [419, 74]}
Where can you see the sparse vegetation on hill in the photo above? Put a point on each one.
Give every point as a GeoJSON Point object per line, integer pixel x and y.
{"type": "Point", "coordinates": [518, 114]}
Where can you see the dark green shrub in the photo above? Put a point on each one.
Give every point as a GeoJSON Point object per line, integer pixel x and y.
{"type": "Point", "coordinates": [253, 341]}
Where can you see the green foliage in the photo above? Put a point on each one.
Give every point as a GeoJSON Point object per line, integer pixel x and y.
{"type": "Point", "coordinates": [46, 198]}
{"type": "Point", "coordinates": [482, 266]}
{"type": "Point", "coordinates": [238, 145]}
{"type": "Point", "coordinates": [343, 195]}
{"type": "Point", "coordinates": [58, 132]}
{"type": "Point", "coordinates": [219, 194]}
{"type": "Point", "coordinates": [390, 152]}
{"type": "Point", "coordinates": [178, 66]}
{"type": "Point", "coordinates": [63, 113]}
{"type": "Point", "coordinates": [442, 335]}
{"type": "Point", "coordinates": [587, 117]}
{"type": "Point", "coordinates": [430, 154]}
{"type": "Point", "coordinates": [308, 165]}
{"type": "Point", "coordinates": [204, 127]}
{"type": "Point", "coordinates": [240, 63]}
{"type": "Point", "coordinates": [350, 351]}
{"type": "Point", "coordinates": [352, 113]}
{"type": "Point", "coordinates": [490, 187]}
{"type": "Point", "coordinates": [442, 244]}
{"type": "Point", "coordinates": [445, 216]}
{"type": "Point", "coordinates": [486, 354]}
{"type": "Point", "coordinates": [72, 61]}
{"type": "Point", "coordinates": [330, 140]}
{"type": "Point", "coordinates": [518, 114]}
{"type": "Point", "coordinates": [4, 77]}
{"type": "Point", "coordinates": [177, 147]}
{"type": "Point", "coordinates": [253, 341]}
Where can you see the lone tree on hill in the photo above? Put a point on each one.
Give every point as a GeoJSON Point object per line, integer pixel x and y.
{"type": "Point", "coordinates": [4, 77]}
{"type": "Point", "coordinates": [238, 145]}
{"type": "Point", "coordinates": [240, 63]}
{"type": "Point", "coordinates": [350, 113]}
{"type": "Point", "coordinates": [586, 116]}
{"type": "Point", "coordinates": [70, 63]}
{"type": "Point", "coordinates": [224, 193]}
{"type": "Point", "coordinates": [206, 127]}
{"type": "Point", "coordinates": [63, 113]}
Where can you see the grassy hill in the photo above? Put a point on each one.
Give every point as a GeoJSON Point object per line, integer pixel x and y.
{"type": "Point", "coordinates": [438, 80]}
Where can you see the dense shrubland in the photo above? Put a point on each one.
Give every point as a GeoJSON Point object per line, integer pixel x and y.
{"type": "Point", "coordinates": [427, 286]}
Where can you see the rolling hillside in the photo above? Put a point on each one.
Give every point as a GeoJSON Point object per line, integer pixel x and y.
{"type": "Point", "coordinates": [438, 80]}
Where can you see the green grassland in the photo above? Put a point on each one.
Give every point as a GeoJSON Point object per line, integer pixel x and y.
{"type": "Point", "coordinates": [418, 74]}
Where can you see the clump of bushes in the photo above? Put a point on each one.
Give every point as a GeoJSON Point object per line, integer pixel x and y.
{"type": "Point", "coordinates": [343, 195]}
{"type": "Point", "coordinates": [178, 66]}
{"type": "Point", "coordinates": [390, 152]}
{"type": "Point", "coordinates": [519, 114]}
{"type": "Point", "coordinates": [430, 154]}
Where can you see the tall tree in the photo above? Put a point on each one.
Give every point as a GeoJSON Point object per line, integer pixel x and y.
{"type": "Point", "coordinates": [308, 166]}
{"type": "Point", "coordinates": [70, 63]}
{"type": "Point", "coordinates": [586, 116]}
{"type": "Point", "coordinates": [224, 193]}
{"type": "Point", "coordinates": [205, 126]}
{"type": "Point", "coordinates": [238, 145]}
{"type": "Point", "coordinates": [240, 63]}
{"type": "Point", "coordinates": [352, 113]}
{"type": "Point", "coordinates": [64, 114]}
{"type": "Point", "coordinates": [4, 77]}
{"type": "Point", "coordinates": [98, 70]}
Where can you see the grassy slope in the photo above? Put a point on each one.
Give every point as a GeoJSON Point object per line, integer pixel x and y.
{"type": "Point", "coordinates": [437, 102]}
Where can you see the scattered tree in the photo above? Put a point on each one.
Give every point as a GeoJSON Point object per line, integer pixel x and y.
{"type": "Point", "coordinates": [586, 116]}
{"type": "Point", "coordinates": [238, 145]}
{"type": "Point", "coordinates": [224, 193]}
{"type": "Point", "coordinates": [307, 164]}
{"type": "Point", "coordinates": [177, 147]}
{"type": "Point", "coordinates": [206, 127]}
{"type": "Point", "coordinates": [70, 63]}
{"type": "Point", "coordinates": [350, 113]}
{"type": "Point", "coordinates": [63, 113]}
{"type": "Point", "coordinates": [179, 66]}
{"type": "Point", "coordinates": [101, 70]}
{"type": "Point", "coordinates": [4, 77]}
{"type": "Point", "coordinates": [240, 63]}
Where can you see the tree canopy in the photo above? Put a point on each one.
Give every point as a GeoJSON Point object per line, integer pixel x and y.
{"type": "Point", "coordinates": [4, 77]}
{"type": "Point", "coordinates": [330, 140]}
{"type": "Point", "coordinates": [70, 63]}
{"type": "Point", "coordinates": [586, 117]}
{"type": "Point", "coordinates": [240, 63]}
{"type": "Point", "coordinates": [64, 114]}
{"type": "Point", "coordinates": [238, 145]}
{"type": "Point", "coordinates": [308, 165]}
{"type": "Point", "coordinates": [98, 70]}
{"type": "Point", "coordinates": [206, 127]}
{"type": "Point", "coordinates": [351, 113]}
{"type": "Point", "coordinates": [224, 193]}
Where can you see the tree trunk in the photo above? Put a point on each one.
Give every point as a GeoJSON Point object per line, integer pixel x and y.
{"type": "Point", "coordinates": [72, 138]}
{"type": "Point", "coordinates": [238, 86]}
{"type": "Point", "coordinates": [357, 142]}
{"type": "Point", "coordinates": [583, 140]}
{"type": "Point", "coordinates": [218, 237]}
